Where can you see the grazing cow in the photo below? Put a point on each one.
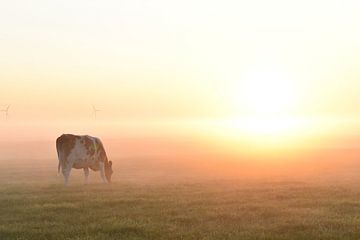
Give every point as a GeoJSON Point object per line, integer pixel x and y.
{"type": "Point", "coordinates": [82, 152]}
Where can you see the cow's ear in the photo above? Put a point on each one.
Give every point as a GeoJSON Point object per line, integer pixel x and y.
{"type": "Point", "coordinates": [110, 163]}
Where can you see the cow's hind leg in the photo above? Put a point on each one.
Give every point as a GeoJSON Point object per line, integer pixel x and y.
{"type": "Point", "coordinates": [66, 173]}
{"type": "Point", "coordinates": [86, 172]}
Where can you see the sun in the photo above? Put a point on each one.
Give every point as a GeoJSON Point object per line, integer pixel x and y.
{"type": "Point", "coordinates": [268, 93]}
{"type": "Point", "coordinates": [266, 106]}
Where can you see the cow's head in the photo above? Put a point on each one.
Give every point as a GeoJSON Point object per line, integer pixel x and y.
{"type": "Point", "coordinates": [108, 170]}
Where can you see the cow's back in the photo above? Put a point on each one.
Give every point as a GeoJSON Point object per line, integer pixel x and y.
{"type": "Point", "coordinates": [80, 151]}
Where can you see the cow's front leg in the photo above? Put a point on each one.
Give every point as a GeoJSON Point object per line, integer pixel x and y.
{"type": "Point", "coordinates": [86, 172]}
{"type": "Point", "coordinates": [102, 171]}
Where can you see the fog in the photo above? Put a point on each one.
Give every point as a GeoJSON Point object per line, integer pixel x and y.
{"type": "Point", "coordinates": [164, 159]}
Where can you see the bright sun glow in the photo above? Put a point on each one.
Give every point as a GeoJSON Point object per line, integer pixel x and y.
{"type": "Point", "coordinates": [267, 103]}
{"type": "Point", "coordinates": [268, 92]}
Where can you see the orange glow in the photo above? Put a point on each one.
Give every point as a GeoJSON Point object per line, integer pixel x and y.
{"type": "Point", "coordinates": [264, 75]}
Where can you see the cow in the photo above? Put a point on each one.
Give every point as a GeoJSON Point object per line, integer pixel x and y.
{"type": "Point", "coordinates": [84, 152]}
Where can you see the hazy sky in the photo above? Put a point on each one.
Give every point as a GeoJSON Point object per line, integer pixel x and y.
{"type": "Point", "coordinates": [176, 59]}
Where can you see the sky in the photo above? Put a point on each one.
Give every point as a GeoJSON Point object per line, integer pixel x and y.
{"type": "Point", "coordinates": [250, 68]}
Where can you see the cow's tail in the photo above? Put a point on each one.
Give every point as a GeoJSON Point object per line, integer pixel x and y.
{"type": "Point", "coordinates": [58, 153]}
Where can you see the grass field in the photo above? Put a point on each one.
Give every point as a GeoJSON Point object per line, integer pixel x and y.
{"type": "Point", "coordinates": [34, 204]}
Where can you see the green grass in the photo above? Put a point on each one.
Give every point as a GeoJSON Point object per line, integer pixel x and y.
{"type": "Point", "coordinates": [40, 207]}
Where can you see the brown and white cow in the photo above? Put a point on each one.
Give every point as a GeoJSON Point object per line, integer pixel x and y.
{"type": "Point", "coordinates": [82, 152]}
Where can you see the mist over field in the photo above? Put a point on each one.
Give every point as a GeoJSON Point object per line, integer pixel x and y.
{"type": "Point", "coordinates": [180, 188]}
{"type": "Point", "coordinates": [163, 157]}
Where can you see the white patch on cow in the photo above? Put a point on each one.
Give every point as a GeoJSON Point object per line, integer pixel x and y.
{"type": "Point", "coordinates": [78, 155]}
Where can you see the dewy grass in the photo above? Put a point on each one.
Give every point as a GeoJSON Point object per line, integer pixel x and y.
{"type": "Point", "coordinates": [203, 210]}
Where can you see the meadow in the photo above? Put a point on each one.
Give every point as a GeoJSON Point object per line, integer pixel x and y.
{"type": "Point", "coordinates": [146, 201]}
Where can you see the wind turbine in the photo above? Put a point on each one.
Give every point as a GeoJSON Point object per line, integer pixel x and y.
{"type": "Point", "coordinates": [95, 110]}
{"type": "Point", "coordinates": [6, 111]}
